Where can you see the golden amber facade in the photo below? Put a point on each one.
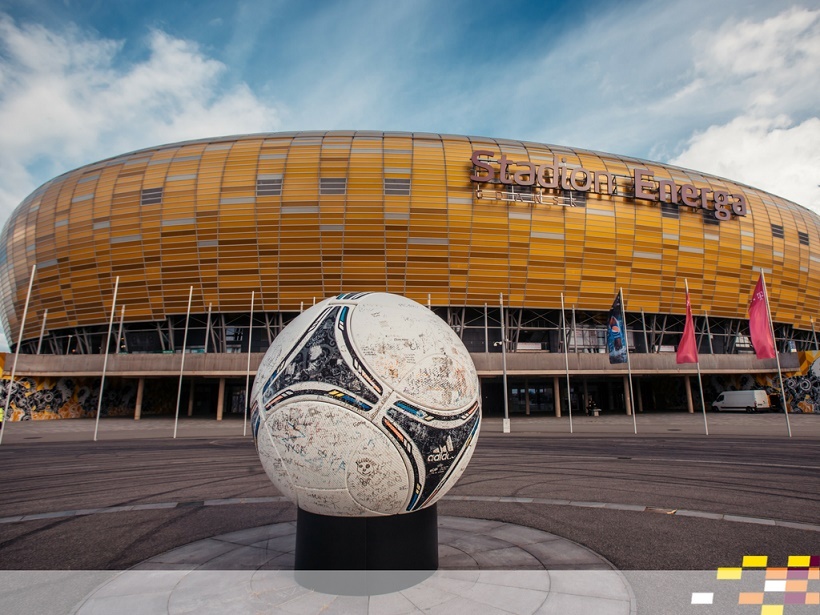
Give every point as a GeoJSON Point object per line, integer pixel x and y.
{"type": "Point", "coordinates": [303, 216]}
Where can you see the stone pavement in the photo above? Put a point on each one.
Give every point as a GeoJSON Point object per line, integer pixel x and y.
{"type": "Point", "coordinates": [485, 567]}
{"type": "Point", "coordinates": [668, 424]}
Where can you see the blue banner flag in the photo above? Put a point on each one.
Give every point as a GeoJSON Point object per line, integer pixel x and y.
{"type": "Point", "coordinates": [616, 332]}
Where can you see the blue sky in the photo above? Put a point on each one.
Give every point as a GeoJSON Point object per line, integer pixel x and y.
{"type": "Point", "coordinates": [725, 87]}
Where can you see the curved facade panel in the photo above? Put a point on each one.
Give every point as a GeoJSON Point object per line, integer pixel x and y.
{"type": "Point", "coordinates": [298, 216]}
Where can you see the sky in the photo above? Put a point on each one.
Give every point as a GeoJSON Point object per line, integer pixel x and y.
{"type": "Point", "coordinates": [730, 87]}
{"type": "Point", "coordinates": [726, 87]}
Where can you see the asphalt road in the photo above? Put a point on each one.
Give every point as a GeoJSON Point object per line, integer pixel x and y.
{"type": "Point", "coordinates": [768, 478]}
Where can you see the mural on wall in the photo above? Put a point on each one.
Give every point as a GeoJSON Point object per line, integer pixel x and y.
{"type": "Point", "coordinates": [802, 387]}
{"type": "Point", "coordinates": [42, 398]}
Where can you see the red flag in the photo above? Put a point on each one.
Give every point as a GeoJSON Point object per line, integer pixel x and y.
{"type": "Point", "coordinates": [688, 348]}
{"type": "Point", "coordinates": [759, 327]}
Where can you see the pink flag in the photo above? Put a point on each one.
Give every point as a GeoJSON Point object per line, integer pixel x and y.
{"type": "Point", "coordinates": [688, 348]}
{"type": "Point", "coordinates": [759, 327]}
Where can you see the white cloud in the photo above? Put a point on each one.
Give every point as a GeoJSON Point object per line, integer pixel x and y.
{"type": "Point", "coordinates": [764, 75]}
{"type": "Point", "coordinates": [775, 49]}
{"type": "Point", "coordinates": [773, 154]}
{"type": "Point", "coordinates": [67, 101]}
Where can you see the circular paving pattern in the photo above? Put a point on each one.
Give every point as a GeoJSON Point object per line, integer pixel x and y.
{"type": "Point", "coordinates": [485, 567]}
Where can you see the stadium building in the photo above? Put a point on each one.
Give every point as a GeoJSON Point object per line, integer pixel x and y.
{"type": "Point", "coordinates": [255, 228]}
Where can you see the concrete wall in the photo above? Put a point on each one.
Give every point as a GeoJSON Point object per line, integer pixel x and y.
{"type": "Point", "coordinates": [524, 363]}
{"type": "Point", "coordinates": [487, 364]}
{"type": "Point", "coordinates": [136, 365]}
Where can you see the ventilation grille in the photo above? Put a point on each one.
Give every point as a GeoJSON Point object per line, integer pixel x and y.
{"type": "Point", "coordinates": [397, 186]}
{"type": "Point", "coordinates": [332, 185]}
{"type": "Point", "coordinates": [670, 210]}
{"type": "Point", "coordinates": [151, 196]}
{"type": "Point", "coordinates": [269, 186]}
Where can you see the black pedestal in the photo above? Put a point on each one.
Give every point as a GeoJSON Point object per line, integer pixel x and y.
{"type": "Point", "coordinates": [397, 542]}
{"type": "Point", "coordinates": [365, 555]}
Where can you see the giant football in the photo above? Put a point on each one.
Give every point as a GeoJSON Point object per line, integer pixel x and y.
{"type": "Point", "coordinates": [366, 404]}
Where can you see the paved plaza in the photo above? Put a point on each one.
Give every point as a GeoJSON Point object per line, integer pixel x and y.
{"type": "Point", "coordinates": [652, 424]}
{"type": "Point", "coordinates": [543, 521]}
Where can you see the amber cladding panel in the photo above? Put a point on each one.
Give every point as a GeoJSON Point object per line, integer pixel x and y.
{"type": "Point", "coordinates": [297, 217]}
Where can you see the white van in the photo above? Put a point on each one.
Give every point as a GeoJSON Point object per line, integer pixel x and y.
{"type": "Point", "coordinates": [750, 401]}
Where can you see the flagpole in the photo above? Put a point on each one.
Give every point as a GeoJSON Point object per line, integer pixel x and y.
{"type": "Point", "coordinates": [105, 361]}
{"type": "Point", "coordinates": [16, 354]}
{"type": "Point", "coordinates": [628, 362]}
{"type": "Point", "coordinates": [697, 349]}
{"type": "Point", "coordinates": [248, 371]}
{"type": "Point", "coordinates": [505, 425]}
{"type": "Point", "coordinates": [776, 354]}
{"type": "Point", "coordinates": [566, 361]}
{"type": "Point", "coordinates": [182, 361]}
{"type": "Point", "coordinates": [702, 402]}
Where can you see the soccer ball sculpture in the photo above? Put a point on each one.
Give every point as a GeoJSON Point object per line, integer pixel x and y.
{"type": "Point", "coordinates": [366, 404]}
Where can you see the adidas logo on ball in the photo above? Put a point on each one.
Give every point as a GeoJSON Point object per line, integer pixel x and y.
{"type": "Point", "coordinates": [442, 453]}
